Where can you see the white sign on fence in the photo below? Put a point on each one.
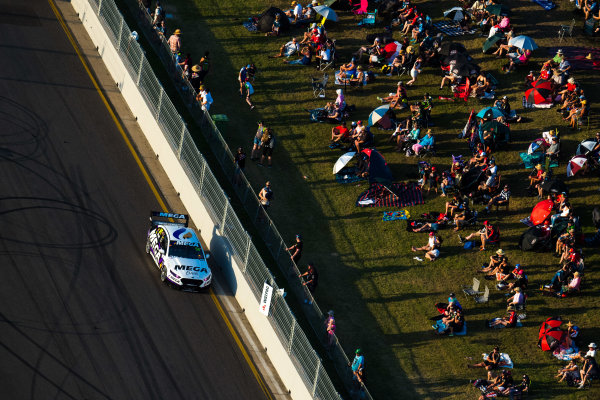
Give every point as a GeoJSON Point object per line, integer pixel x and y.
{"type": "Point", "coordinates": [265, 299]}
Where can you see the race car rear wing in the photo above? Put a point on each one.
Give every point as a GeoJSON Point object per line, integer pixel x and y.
{"type": "Point", "coordinates": [157, 217]}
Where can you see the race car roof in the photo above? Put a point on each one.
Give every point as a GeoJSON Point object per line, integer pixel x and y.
{"type": "Point", "coordinates": [181, 234]}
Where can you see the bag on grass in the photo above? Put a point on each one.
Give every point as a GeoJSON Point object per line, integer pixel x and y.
{"type": "Point", "coordinates": [469, 245]}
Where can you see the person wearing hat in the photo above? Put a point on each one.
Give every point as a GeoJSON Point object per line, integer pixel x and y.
{"type": "Point", "coordinates": [358, 366]}
{"type": "Point", "coordinates": [431, 249]}
{"type": "Point", "coordinates": [591, 350]}
{"type": "Point", "coordinates": [588, 370]}
{"type": "Point", "coordinates": [487, 234]}
{"type": "Point", "coordinates": [276, 25]}
{"type": "Point", "coordinates": [490, 363]}
{"type": "Point", "coordinates": [498, 260]}
{"type": "Point", "coordinates": [310, 279]}
{"type": "Point", "coordinates": [517, 300]}
{"type": "Point", "coordinates": [175, 41]}
{"type": "Point", "coordinates": [195, 78]}
{"type": "Point", "coordinates": [370, 49]}
{"type": "Point", "coordinates": [205, 98]}
{"type": "Point", "coordinates": [295, 250]}
{"type": "Point", "coordinates": [324, 54]}
{"type": "Point", "coordinates": [295, 12]}
{"type": "Point", "coordinates": [288, 49]}
{"type": "Point", "coordinates": [356, 79]}
{"type": "Point", "coordinates": [348, 68]}
{"type": "Point", "coordinates": [536, 176]}
{"type": "Point", "coordinates": [520, 281]}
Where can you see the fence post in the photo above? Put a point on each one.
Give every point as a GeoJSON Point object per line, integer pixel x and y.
{"type": "Point", "coordinates": [139, 74]}
{"type": "Point", "coordinates": [223, 221]}
{"type": "Point", "coordinates": [99, 7]}
{"type": "Point", "coordinates": [247, 253]}
{"type": "Point", "coordinates": [314, 389]}
{"type": "Point", "coordinates": [202, 174]}
{"type": "Point", "coordinates": [181, 140]}
{"type": "Point", "coordinates": [159, 103]}
{"type": "Point", "coordinates": [120, 35]}
{"type": "Point", "coordinates": [289, 349]}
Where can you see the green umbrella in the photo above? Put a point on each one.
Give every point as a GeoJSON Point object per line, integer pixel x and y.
{"type": "Point", "coordinates": [497, 9]}
{"type": "Point", "coordinates": [492, 41]}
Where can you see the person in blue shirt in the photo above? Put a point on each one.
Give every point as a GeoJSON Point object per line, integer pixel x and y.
{"type": "Point", "coordinates": [426, 142]}
{"type": "Point", "coordinates": [358, 366]}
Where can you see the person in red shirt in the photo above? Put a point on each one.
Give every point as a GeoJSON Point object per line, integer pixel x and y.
{"type": "Point", "coordinates": [488, 234]}
{"type": "Point", "coordinates": [339, 134]}
{"type": "Point", "coordinates": [536, 176]}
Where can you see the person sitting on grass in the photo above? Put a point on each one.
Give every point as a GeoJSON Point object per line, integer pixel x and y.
{"type": "Point", "coordinates": [427, 143]}
{"type": "Point", "coordinates": [497, 260]}
{"type": "Point", "coordinates": [569, 372]}
{"type": "Point", "coordinates": [487, 234]}
{"type": "Point", "coordinates": [463, 216]}
{"type": "Point", "coordinates": [517, 391]}
{"type": "Point", "coordinates": [455, 205]}
{"type": "Point", "coordinates": [521, 58]}
{"type": "Point", "coordinates": [455, 323]}
{"type": "Point", "coordinates": [339, 134]}
{"type": "Point", "coordinates": [558, 280]}
{"type": "Point", "coordinates": [520, 279]}
{"type": "Point", "coordinates": [572, 287]}
{"type": "Point", "coordinates": [397, 100]}
{"type": "Point", "coordinates": [348, 68]}
{"type": "Point", "coordinates": [502, 382]}
{"type": "Point", "coordinates": [275, 27]}
{"type": "Point", "coordinates": [588, 371]}
{"type": "Point", "coordinates": [509, 321]}
{"type": "Point", "coordinates": [288, 49]}
{"type": "Point", "coordinates": [431, 249]}
{"type": "Point", "coordinates": [305, 60]}
{"type": "Point", "coordinates": [517, 300]}
{"type": "Point", "coordinates": [564, 242]}
{"type": "Point", "coordinates": [491, 362]}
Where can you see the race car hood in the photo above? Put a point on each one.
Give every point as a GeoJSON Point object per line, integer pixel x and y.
{"type": "Point", "coordinates": [189, 268]}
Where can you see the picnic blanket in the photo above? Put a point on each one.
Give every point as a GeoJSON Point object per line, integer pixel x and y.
{"type": "Point", "coordinates": [577, 56]}
{"type": "Point", "coordinates": [531, 160]}
{"type": "Point", "coordinates": [395, 215]}
{"type": "Point", "coordinates": [566, 354]}
{"type": "Point", "coordinates": [452, 28]}
{"type": "Point", "coordinates": [505, 361]}
{"type": "Point", "coordinates": [405, 194]}
{"type": "Point", "coordinates": [347, 175]}
{"type": "Point", "coordinates": [518, 324]}
{"type": "Point", "coordinates": [546, 4]}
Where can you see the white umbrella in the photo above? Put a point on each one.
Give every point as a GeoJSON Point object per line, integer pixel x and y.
{"type": "Point", "coordinates": [575, 164]}
{"type": "Point", "coordinates": [326, 13]}
{"type": "Point", "coordinates": [342, 161]}
{"type": "Point", "coordinates": [586, 146]}
{"type": "Point", "coordinates": [455, 13]}
{"type": "Point", "coordinates": [523, 42]}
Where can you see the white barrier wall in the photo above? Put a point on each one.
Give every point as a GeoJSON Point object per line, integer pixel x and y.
{"type": "Point", "coordinates": [208, 229]}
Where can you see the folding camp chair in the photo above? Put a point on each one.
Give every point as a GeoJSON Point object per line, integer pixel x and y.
{"type": "Point", "coordinates": [565, 30]}
{"type": "Point", "coordinates": [323, 65]}
{"type": "Point", "coordinates": [319, 85]}
{"type": "Point", "coordinates": [472, 290]}
{"type": "Point", "coordinates": [369, 20]}
{"type": "Point", "coordinates": [484, 298]}
{"type": "Point", "coordinates": [463, 91]}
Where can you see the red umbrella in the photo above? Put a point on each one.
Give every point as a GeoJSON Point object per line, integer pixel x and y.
{"type": "Point", "coordinates": [541, 212]}
{"type": "Point", "coordinates": [551, 339]}
{"type": "Point", "coordinates": [538, 95]}
{"type": "Point", "coordinates": [549, 323]}
{"type": "Point", "coordinates": [542, 84]}
{"type": "Point", "coordinates": [576, 164]}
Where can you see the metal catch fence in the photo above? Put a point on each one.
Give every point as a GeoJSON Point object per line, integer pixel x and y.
{"type": "Point", "coordinates": [303, 355]}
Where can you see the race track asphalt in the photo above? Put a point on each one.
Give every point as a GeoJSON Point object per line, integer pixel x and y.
{"type": "Point", "coordinates": [83, 314]}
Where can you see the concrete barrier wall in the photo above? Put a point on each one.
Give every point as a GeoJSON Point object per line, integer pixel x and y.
{"type": "Point", "coordinates": [209, 229]}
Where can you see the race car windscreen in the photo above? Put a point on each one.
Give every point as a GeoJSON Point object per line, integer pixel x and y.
{"type": "Point", "coordinates": [185, 251]}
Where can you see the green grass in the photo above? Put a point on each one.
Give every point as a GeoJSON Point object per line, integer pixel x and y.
{"type": "Point", "coordinates": [382, 297]}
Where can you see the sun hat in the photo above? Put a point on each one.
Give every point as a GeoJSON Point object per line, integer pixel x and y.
{"type": "Point", "coordinates": [315, 2]}
{"type": "Point", "coordinates": [409, 49]}
{"type": "Point", "coordinates": [177, 32]}
{"type": "Point", "coordinates": [339, 91]}
{"type": "Point", "coordinates": [196, 68]}
{"type": "Point", "coordinates": [592, 345]}
{"type": "Point", "coordinates": [500, 252]}
{"type": "Point", "coordinates": [539, 166]}
{"type": "Point", "coordinates": [571, 80]}
{"type": "Point", "coordinates": [559, 51]}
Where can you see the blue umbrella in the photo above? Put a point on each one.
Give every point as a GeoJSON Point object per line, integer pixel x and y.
{"type": "Point", "coordinates": [326, 13]}
{"type": "Point", "coordinates": [378, 113]}
{"type": "Point", "coordinates": [523, 42]}
{"type": "Point", "coordinates": [490, 112]}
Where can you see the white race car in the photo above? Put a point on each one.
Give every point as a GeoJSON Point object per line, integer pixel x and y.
{"type": "Point", "coordinates": [177, 252]}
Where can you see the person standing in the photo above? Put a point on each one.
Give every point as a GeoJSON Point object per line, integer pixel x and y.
{"type": "Point", "coordinates": [240, 163]}
{"type": "Point", "coordinates": [267, 144]}
{"type": "Point", "coordinates": [265, 195]}
{"type": "Point", "coordinates": [311, 280]}
{"type": "Point", "coordinates": [330, 329]}
{"type": "Point", "coordinates": [296, 249]}
{"type": "Point", "coordinates": [358, 366]}
{"type": "Point", "coordinates": [256, 142]}
{"type": "Point", "coordinates": [175, 41]}
{"type": "Point", "coordinates": [204, 65]}
{"type": "Point", "coordinates": [249, 92]}
{"type": "Point", "coordinates": [205, 98]}
{"type": "Point", "coordinates": [242, 78]}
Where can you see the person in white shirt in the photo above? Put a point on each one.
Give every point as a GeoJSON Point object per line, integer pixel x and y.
{"type": "Point", "coordinates": [432, 249]}
{"type": "Point", "coordinates": [205, 98]}
{"type": "Point", "coordinates": [517, 299]}
{"type": "Point", "coordinates": [288, 49]}
{"type": "Point", "coordinates": [592, 350]}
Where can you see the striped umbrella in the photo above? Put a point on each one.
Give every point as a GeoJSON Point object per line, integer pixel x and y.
{"type": "Point", "coordinates": [537, 144]}
{"type": "Point", "coordinates": [378, 113]}
{"type": "Point", "coordinates": [586, 146]}
{"type": "Point", "coordinates": [575, 165]}
{"type": "Point", "coordinates": [523, 42]}
{"type": "Point", "coordinates": [539, 94]}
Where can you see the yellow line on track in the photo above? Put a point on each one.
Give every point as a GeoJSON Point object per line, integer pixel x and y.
{"type": "Point", "coordinates": [155, 191]}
